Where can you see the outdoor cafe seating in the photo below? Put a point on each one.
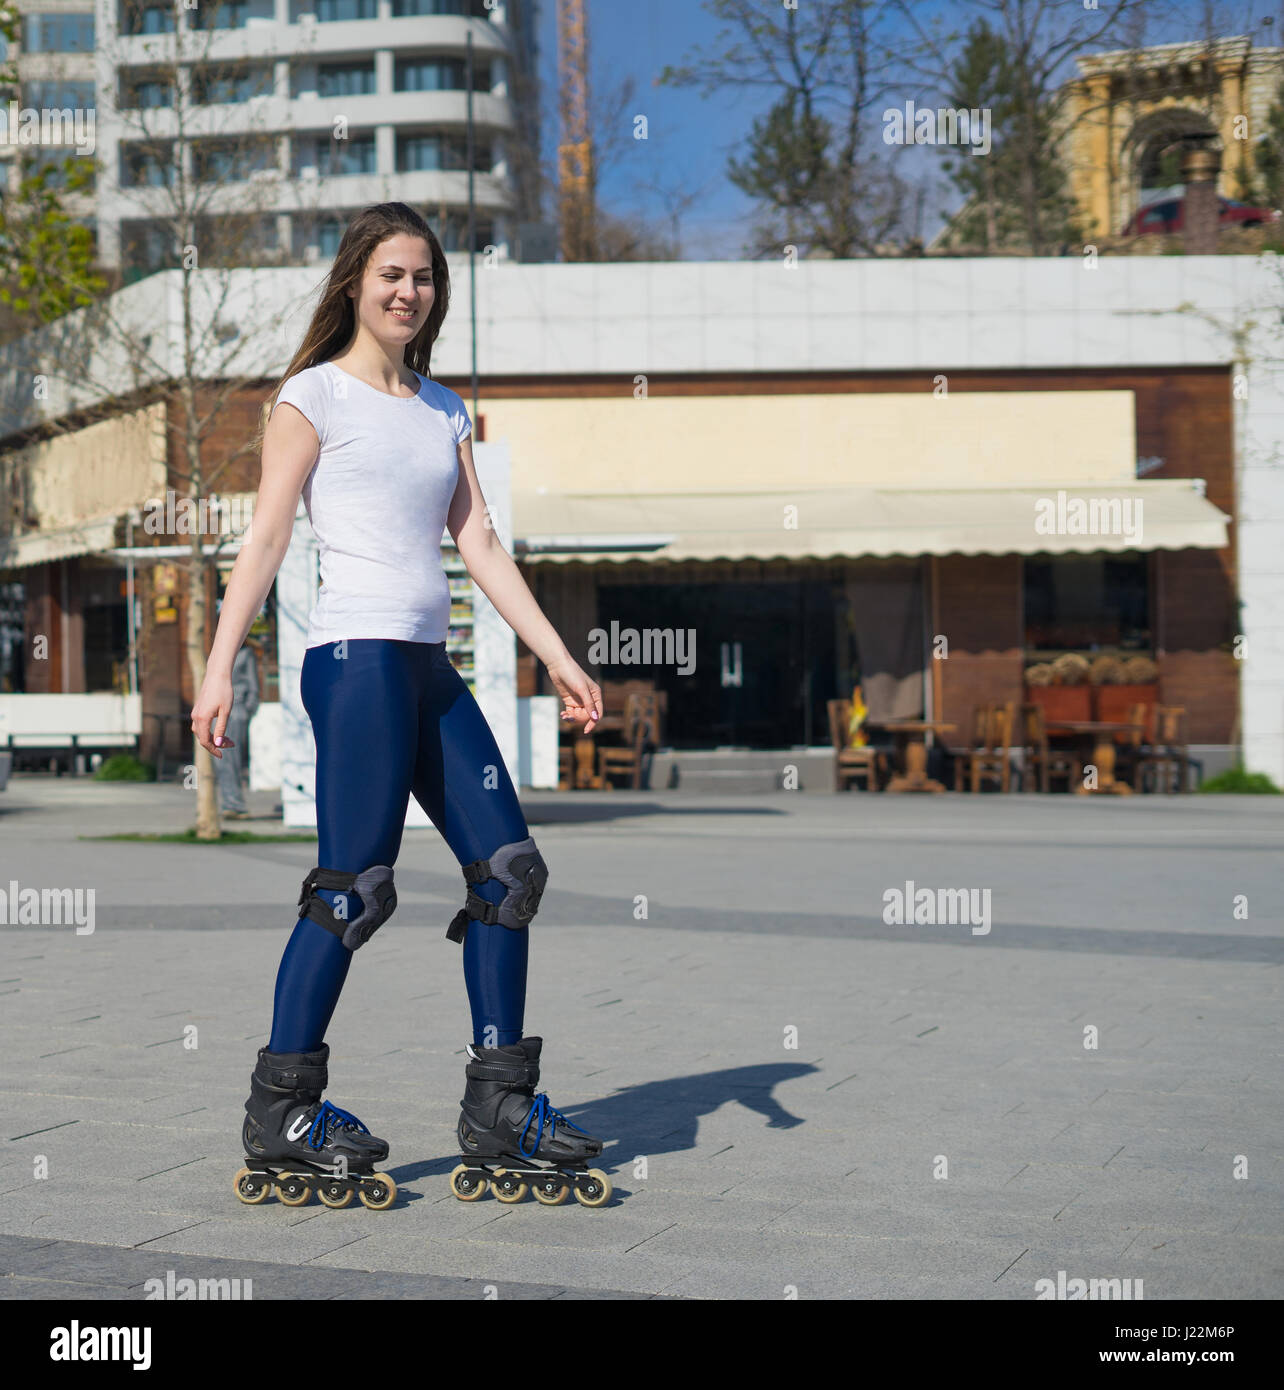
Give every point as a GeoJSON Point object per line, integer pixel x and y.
{"type": "Point", "coordinates": [853, 764]}
{"type": "Point", "coordinates": [1015, 744]}
{"type": "Point", "coordinates": [989, 756]}
{"type": "Point", "coordinates": [631, 728]}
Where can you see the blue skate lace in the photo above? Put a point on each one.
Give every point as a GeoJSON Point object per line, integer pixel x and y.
{"type": "Point", "coordinates": [544, 1113]}
{"type": "Point", "coordinates": [331, 1117]}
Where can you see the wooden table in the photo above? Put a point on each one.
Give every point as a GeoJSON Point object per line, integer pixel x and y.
{"type": "Point", "coordinates": [911, 740]}
{"type": "Point", "coordinates": [1100, 734]}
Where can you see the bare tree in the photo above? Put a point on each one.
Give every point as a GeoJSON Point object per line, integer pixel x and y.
{"type": "Point", "coordinates": [829, 66]}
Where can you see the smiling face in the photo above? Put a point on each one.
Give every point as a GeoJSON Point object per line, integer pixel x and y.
{"type": "Point", "coordinates": [396, 291]}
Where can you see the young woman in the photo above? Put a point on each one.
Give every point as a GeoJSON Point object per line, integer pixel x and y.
{"type": "Point", "coordinates": [382, 457]}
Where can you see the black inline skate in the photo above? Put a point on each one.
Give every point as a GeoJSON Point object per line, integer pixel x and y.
{"type": "Point", "coordinates": [510, 1138]}
{"type": "Point", "coordinates": [294, 1141]}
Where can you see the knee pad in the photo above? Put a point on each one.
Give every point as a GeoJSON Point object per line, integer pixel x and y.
{"type": "Point", "coordinates": [373, 886]}
{"type": "Point", "coordinates": [521, 869]}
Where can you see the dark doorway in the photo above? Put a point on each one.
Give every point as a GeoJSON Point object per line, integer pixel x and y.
{"type": "Point", "coordinates": [764, 658]}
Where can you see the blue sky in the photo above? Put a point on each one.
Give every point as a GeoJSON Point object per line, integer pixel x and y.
{"type": "Point", "coordinates": [690, 137]}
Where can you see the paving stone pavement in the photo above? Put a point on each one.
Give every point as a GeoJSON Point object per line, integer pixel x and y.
{"type": "Point", "coordinates": [797, 1096]}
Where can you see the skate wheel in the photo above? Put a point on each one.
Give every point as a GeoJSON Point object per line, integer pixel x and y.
{"type": "Point", "coordinates": [379, 1193]}
{"type": "Point", "coordinates": [334, 1193]}
{"type": "Point", "coordinates": [293, 1190]}
{"type": "Point", "coordinates": [507, 1187]}
{"type": "Point", "coordinates": [468, 1187]}
{"type": "Point", "coordinates": [596, 1189]}
{"type": "Point", "coordinates": [552, 1191]}
{"type": "Point", "coordinates": [252, 1188]}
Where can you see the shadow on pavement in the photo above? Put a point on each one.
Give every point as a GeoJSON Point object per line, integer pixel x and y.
{"type": "Point", "coordinates": [653, 1118]}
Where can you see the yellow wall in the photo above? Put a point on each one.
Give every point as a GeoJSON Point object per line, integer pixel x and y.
{"type": "Point", "coordinates": [728, 443]}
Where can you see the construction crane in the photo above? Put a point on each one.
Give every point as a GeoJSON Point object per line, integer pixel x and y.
{"type": "Point", "coordinates": [575, 153]}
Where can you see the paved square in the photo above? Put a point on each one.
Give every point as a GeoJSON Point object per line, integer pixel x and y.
{"type": "Point", "coordinates": [796, 1095]}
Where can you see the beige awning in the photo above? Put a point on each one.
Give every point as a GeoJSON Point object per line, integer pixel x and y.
{"type": "Point", "coordinates": [1153, 514]}
{"type": "Point", "coordinates": [58, 543]}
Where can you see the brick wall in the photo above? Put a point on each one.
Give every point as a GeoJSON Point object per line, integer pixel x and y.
{"type": "Point", "coordinates": [978, 610]}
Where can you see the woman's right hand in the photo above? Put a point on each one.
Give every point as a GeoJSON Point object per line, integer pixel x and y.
{"type": "Point", "coordinates": [210, 713]}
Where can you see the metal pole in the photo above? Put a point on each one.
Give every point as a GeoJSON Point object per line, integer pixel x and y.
{"type": "Point", "coordinates": [129, 601]}
{"type": "Point", "coordinates": [472, 228]}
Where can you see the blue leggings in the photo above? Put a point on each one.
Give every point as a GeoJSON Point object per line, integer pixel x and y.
{"type": "Point", "coordinates": [391, 718]}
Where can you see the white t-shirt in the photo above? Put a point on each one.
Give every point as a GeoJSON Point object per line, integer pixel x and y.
{"type": "Point", "coordinates": [377, 498]}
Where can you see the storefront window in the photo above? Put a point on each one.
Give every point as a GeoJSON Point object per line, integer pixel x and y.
{"type": "Point", "coordinates": [1087, 602]}
{"type": "Point", "coordinates": [759, 657]}
{"type": "Point", "coordinates": [105, 616]}
{"type": "Point", "coordinates": [13, 602]}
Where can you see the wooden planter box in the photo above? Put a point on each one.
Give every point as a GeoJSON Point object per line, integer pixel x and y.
{"type": "Point", "coordinates": [1072, 702]}
{"type": "Point", "coordinates": [1113, 702]}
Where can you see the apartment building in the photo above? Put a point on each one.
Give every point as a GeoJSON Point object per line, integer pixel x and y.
{"type": "Point", "coordinates": [256, 128]}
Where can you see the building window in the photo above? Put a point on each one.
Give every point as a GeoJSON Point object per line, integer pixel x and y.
{"type": "Point", "coordinates": [13, 609]}
{"type": "Point", "coordinates": [52, 161]}
{"type": "Point", "coordinates": [441, 151]}
{"type": "Point", "coordinates": [336, 11]}
{"type": "Point", "coordinates": [143, 92]}
{"type": "Point", "coordinates": [324, 232]}
{"type": "Point", "coordinates": [230, 161]}
{"type": "Point", "coordinates": [55, 96]}
{"type": "Point", "coordinates": [151, 166]}
{"type": "Point", "coordinates": [144, 17]}
{"type": "Point", "coordinates": [1087, 602]}
{"type": "Point", "coordinates": [475, 9]}
{"type": "Point", "coordinates": [346, 80]}
{"type": "Point", "coordinates": [58, 33]}
{"type": "Point", "coordinates": [231, 240]}
{"type": "Point", "coordinates": [438, 75]}
{"type": "Point", "coordinates": [329, 235]}
{"type": "Point", "coordinates": [333, 158]}
{"type": "Point", "coordinates": [106, 627]}
{"type": "Point", "coordinates": [220, 14]}
{"type": "Point", "coordinates": [146, 248]}
{"type": "Point", "coordinates": [222, 88]}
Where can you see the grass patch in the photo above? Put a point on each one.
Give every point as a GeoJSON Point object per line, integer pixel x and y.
{"type": "Point", "coordinates": [1236, 779]}
{"type": "Point", "coordinates": [124, 767]}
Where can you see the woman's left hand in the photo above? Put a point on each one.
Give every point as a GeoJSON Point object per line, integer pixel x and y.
{"type": "Point", "coordinates": [581, 696]}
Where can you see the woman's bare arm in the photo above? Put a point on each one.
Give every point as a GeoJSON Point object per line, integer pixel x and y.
{"type": "Point", "coordinates": [495, 572]}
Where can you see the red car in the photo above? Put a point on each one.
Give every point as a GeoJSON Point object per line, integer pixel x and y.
{"type": "Point", "coordinates": [1167, 216]}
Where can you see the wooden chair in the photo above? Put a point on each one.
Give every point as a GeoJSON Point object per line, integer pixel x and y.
{"type": "Point", "coordinates": [1131, 745]}
{"type": "Point", "coordinates": [1165, 763]}
{"type": "Point", "coordinates": [582, 769]}
{"type": "Point", "coordinates": [641, 734]}
{"type": "Point", "coordinates": [1043, 761]}
{"type": "Point", "coordinates": [989, 756]}
{"type": "Point", "coordinates": [851, 763]}
{"type": "Point", "coordinates": [978, 739]}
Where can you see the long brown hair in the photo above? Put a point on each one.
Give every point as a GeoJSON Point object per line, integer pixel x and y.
{"type": "Point", "coordinates": [335, 318]}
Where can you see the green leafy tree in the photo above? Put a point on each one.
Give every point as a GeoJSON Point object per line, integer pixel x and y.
{"type": "Point", "coordinates": [1014, 58]}
{"type": "Point", "coordinates": [983, 82]}
{"type": "Point", "coordinates": [47, 260]}
{"type": "Point", "coordinates": [1268, 159]}
{"type": "Point", "coordinates": [1017, 195]}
